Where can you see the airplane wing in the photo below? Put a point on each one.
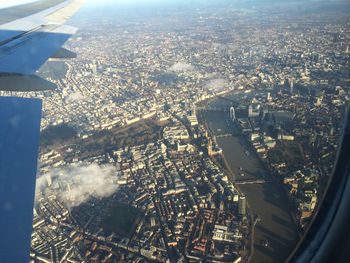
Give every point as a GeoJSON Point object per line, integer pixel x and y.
{"type": "Point", "coordinates": [26, 43]}
{"type": "Point", "coordinates": [19, 139]}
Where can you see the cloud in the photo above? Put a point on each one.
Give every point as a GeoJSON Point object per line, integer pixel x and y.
{"type": "Point", "coordinates": [75, 96]}
{"type": "Point", "coordinates": [217, 84]}
{"type": "Point", "coordinates": [181, 67]}
{"type": "Point", "coordinates": [77, 182]}
{"type": "Point", "coordinates": [217, 45]}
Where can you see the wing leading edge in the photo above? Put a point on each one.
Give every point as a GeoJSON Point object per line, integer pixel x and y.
{"type": "Point", "coordinates": [26, 43]}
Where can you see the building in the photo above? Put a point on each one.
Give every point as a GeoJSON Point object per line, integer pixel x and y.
{"type": "Point", "coordinates": [254, 110]}
{"type": "Point", "coordinates": [192, 120]}
{"type": "Point", "coordinates": [232, 113]}
{"type": "Point", "coordinates": [242, 204]}
{"type": "Point", "coordinates": [291, 86]}
{"type": "Point", "coordinates": [269, 96]}
{"type": "Point", "coordinates": [94, 68]}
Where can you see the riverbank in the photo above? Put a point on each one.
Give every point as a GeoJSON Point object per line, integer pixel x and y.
{"type": "Point", "coordinates": [275, 235]}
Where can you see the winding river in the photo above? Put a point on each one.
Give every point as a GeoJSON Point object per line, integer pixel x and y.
{"type": "Point", "coordinates": [275, 235]}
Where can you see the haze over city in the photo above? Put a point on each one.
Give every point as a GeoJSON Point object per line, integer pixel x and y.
{"type": "Point", "coordinates": [189, 131]}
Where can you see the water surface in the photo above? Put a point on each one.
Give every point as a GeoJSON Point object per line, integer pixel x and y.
{"type": "Point", "coordinates": [267, 200]}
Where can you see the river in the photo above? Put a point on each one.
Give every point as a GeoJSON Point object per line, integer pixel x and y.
{"type": "Point", "coordinates": [266, 200]}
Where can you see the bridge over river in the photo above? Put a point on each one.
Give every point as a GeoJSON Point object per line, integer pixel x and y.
{"type": "Point", "coordinates": [223, 135]}
{"type": "Point", "coordinates": [252, 181]}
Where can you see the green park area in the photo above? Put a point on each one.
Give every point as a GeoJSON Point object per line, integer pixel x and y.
{"type": "Point", "coordinates": [56, 135]}
{"type": "Point", "coordinates": [121, 219]}
{"type": "Point", "coordinates": [102, 141]}
{"type": "Point", "coordinates": [289, 152]}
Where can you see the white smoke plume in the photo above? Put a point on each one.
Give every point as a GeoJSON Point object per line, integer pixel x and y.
{"type": "Point", "coordinates": [77, 182]}
{"type": "Point", "coordinates": [217, 84]}
{"type": "Point", "coordinates": [181, 67]}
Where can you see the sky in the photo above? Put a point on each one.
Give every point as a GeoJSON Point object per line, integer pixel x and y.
{"type": "Point", "coordinates": [9, 3]}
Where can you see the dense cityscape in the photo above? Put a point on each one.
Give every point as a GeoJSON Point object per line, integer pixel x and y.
{"type": "Point", "coordinates": [175, 122]}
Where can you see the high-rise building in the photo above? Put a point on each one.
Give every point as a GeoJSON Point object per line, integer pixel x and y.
{"type": "Point", "coordinates": [210, 147]}
{"type": "Point", "coordinates": [49, 180]}
{"type": "Point", "coordinates": [242, 203]}
{"type": "Point", "coordinates": [291, 85]}
{"type": "Point", "coordinates": [94, 68]}
{"type": "Point", "coordinates": [232, 113]}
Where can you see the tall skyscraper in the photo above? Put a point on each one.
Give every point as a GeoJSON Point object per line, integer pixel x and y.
{"type": "Point", "coordinates": [94, 68]}
{"type": "Point", "coordinates": [242, 203]}
{"type": "Point", "coordinates": [49, 180]}
{"type": "Point", "coordinates": [291, 85]}
{"type": "Point", "coordinates": [232, 113]}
